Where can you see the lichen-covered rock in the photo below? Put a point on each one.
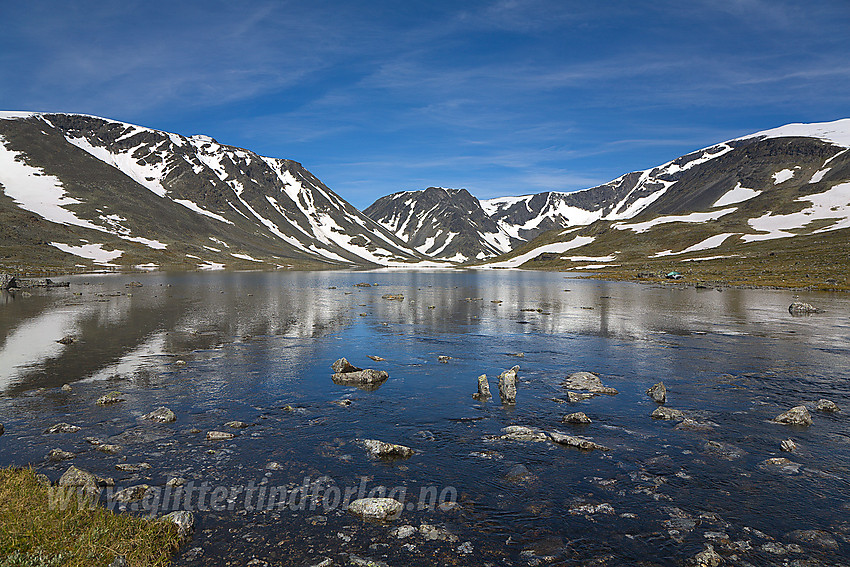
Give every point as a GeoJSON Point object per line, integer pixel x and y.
{"type": "Point", "coordinates": [827, 406]}
{"type": "Point", "coordinates": [376, 509]}
{"type": "Point", "coordinates": [658, 393]}
{"type": "Point", "coordinates": [75, 477]}
{"type": "Point", "coordinates": [579, 396]}
{"type": "Point", "coordinates": [161, 415]}
{"type": "Point", "coordinates": [588, 382]}
{"type": "Point", "coordinates": [507, 386]}
{"type": "Point", "coordinates": [236, 424]}
{"type": "Point", "coordinates": [384, 450]}
{"type": "Point", "coordinates": [132, 493]}
{"type": "Point", "coordinates": [578, 417]}
{"type": "Point", "coordinates": [797, 415]}
{"type": "Point", "coordinates": [577, 442]}
{"type": "Point", "coordinates": [667, 413]}
{"type": "Point", "coordinates": [59, 455]}
{"type": "Point", "coordinates": [483, 388]}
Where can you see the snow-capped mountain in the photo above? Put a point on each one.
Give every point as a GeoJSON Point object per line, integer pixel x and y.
{"type": "Point", "coordinates": [770, 171]}
{"type": "Point", "coordinates": [449, 224]}
{"type": "Point", "coordinates": [768, 192]}
{"type": "Point", "coordinates": [93, 191]}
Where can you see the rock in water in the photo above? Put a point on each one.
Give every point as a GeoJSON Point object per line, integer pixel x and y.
{"type": "Point", "coordinates": [483, 388]}
{"type": "Point", "coordinates": [798, 415]}
{"type": "Point", "coordinates": [800, 308]}
{"type": "Point", "coordinates": [577, 442]}
{"type": "Point", "coordinates": [161, 415]}
{"type": "Point", "coordinates": [522, 433]}
{"type": "Point", "coordinates": [376, 509]}
{"type": "Point", "coordinates": [826, 405]}
{"type": "Point", "coordinates": [577, 396]}
{"type": "Point", "coordinates": [387, 450]}
{"type": "Point", "coordinates": [368, 378]}
{"type": "Point", "coordinates": [110, 398]}
{"type": "Point", "coordinates": [185, 522]}
{"type": "Point", "coordinates": [507, 385]}
{"type": "Point", "coordinates": [707, 558]}
{"type": "Point", "coordinates": [7, 281]}
{"type": "Point", "coordinates": [588, 382]}
{"type": "Point", "coordinates": [788, 445]}
{"type": "Point", "coordinates": [667, 413]}
{"type": "Point", "coordinates": [2, 429]}
{"type": "Point", "coordinates": [342, 366]}
{"type": "Point", "coordinates": [219, 435]}
{"type": "Point", "coordinates": [658, 393]}
{"type": "Point", "coordinates": [578, 417]}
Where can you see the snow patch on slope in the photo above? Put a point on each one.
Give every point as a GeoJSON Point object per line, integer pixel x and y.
{"type": "Point", "coordinates": [555, 247]}
{"type": "Point", "coordinates": [737, 195]}
{"type": "Point", "coordinates": [692, 217]}
{"type": "Point", "coordinates": [837, 132]}
{"type": "Point", "coordinates": [831, 204]}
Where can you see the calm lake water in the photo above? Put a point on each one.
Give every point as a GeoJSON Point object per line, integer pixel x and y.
{"type": "Point", "coordinates": [257, 348]}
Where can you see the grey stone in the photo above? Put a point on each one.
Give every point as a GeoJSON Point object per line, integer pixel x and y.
{"type": "Point", "coordinates": [108, 448]}
{"type": "Point", "coordinates": [385, 450]}
{"type": "Point", "coordinates": [110, 398]}
{"type": "Point", "coordinates": [483, 389]}
{"type": "Point", "coordinates": [62, 428]}
{"type": "Point", "coordinates": [827, 406]}
{"type": "Point", "coordinates": [579, 396]}
{"type": "Point", "coordinates": [797, 415]}
{"type": "Point", "coordinates": [219, 435]}
{"type": "Point", "coordinates": [403, 532]}
{"type": "Point", "coordinates": [667, 413]}
{"type": "Point", "coordinates": [132, 467]}
{"type": "Point", "coordinates": [800, 308]}
{"type": "Point", "coordinates": [522, 433]}
{"type": "Point", "coordinates": [59, 455]}
{"type": "Point", "coordinates": [436, 533]}
{"type": "Point", "coordinates": [578, 417]}
{"type": "Point", "coordinates": [367, 378]}
{"type": "Point", "coordinates": [376, 509]}
{"type": "Point", "coordinates": [161, 415]}
{"type": "Point", "coordinates": [119, 561]}
{"type": "Point", "coordinates": [788, 445]}
{"type": "Point", "coordinates": [658, 393]}
{"type": "Point", "coordinates": [577, 442]}
{"type": "Point", "coordinates": [185, 522]}
{"type": "Point", "coordinates": [342, 366]}
{"type": "Point", "coordinates": [7, 281]}
{"type": "Point", "coordinates": [507, 386]}
{"type": "Point", "coordinates": [588, 382]}
{"type": "Point", "coordinates": [236, 424]}
{"type": "Point", "coordinates": [75, 477]}
{"type": "Point", "coordinates": [132, 493]}
{"type": "Point", "coordinates": [707, 558]}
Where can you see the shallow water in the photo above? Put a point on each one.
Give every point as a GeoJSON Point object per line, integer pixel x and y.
{"type": "Point", "coordinates": [257, 347]}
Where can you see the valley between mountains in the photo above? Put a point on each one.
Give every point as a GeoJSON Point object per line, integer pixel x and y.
{"type": "Point", "coordinates": [83, 193]}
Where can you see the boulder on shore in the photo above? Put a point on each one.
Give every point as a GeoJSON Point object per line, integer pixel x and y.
{"type": "Point", "coordinates": [507, 385]}
{"type": "Point", "coordinates": [7, 281]}
{"type": "Point", "coordinates": [797, 415]}
{"type": "Point", "coordinates": [658, 393]}
{"type": "Point", "coordinates": [185, 522]}
{"type": "Point", "coordinates": [588, 382]}
{"type": "Point", "coordinates": [376, 509]}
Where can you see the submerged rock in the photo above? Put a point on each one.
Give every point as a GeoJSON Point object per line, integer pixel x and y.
{"type": "Point", "coordinates": [667, 413]}
{"type": "Point", "coordinates": [507, 386]}
{"type": "Point", "coordinates": [483, 389]}
{"type": "Point", "coordinates": [384, 450]}
{"type": "Point", "coordinates": [161, 415]}
{"type": "Point", "coordinates": [797, 415]}
{"type": "Point", "coordinates": [236, 424]}
{"type": "Point", "coordinates": [61, 428]}
{"type": "Point", "coordinates": [658, 393]}
{"type": "Point", "coordinates": [108, 448]}
{"type": "Point", "coordinates": [132, 467]}
{"type": "Point", "coordinates": [376, 509]}
{"type": "Point", "coordinates": [432, 533]}
{"type": "Point", "coordinates": [818, 538]}
{"type": "Point", "coordinates": [577, 442]}
{"type": "Point", "coordinates": [578, 417]}
{"type": "Point", "coordinates": [132, 493]}
{"type": "Point", "coordinates": [724, 450]}
{"type": "Point", "coordinates": [827, 406]}
{"type": "Point", "coordinates": [800, 308]}
{"type": "Point", "coordinates": [519, 474]}
{"type": "Point", "coordinates": [782, 464]}
{"type": "Point", "coordinates": [579, 396]}
{"type": "Point", "coordinates": [588, 382]}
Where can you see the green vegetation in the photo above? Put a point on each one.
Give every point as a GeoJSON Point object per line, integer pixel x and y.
{"type": "Point", "coordinates": [34, 535]}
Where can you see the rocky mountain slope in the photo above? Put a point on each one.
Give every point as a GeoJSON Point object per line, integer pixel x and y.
{"type": "Point", "coordinates": [786, 182]}
{"type": "Point", "coordinates": [82, 191]}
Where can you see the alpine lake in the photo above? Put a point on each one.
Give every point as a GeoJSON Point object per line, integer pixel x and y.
{"type": "Point", "coordinates": [257, 348]}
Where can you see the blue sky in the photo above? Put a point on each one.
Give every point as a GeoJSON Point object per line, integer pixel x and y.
{"type": "Point", "coordinates": [501, 97]}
